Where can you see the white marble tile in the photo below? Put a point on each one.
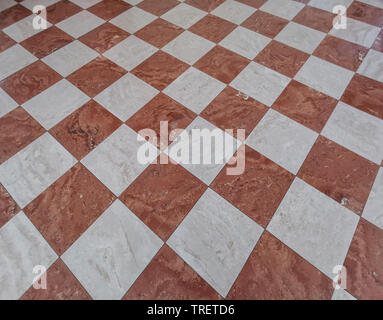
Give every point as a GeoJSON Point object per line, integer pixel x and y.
{"type": "Point", "coordinates": [233, 11]}
{"type": "Point", "coordinates": [56, 103]}
{"type": "Point", "coordinates": [7, 104]}
{"type": "Point", "coordinates": [194, 89]}
{"type": "Point", "coordinates": [324, 76]}
{"type": "Point", "coordinates": [80, 23]}
{"type": "Point", "coordinates": [341, 294]}
{"type": "Point", "coordinates": [30, 4]}
{"type": "Point", "coordinates": [14, 59]}
{"type": "Point", "coordinates": [184, 15]}
{"type": "Point", "coordinates": [260, 83]}
{"type": "Point", "coordinates": [282, 8]}
{"type": "Point", "coordinates": [126, 96]}
{"type": "Point", "coordinates": [215, 239]}
{"type": "Point", "coordinates": [70, 58]}
{"type": "Point", "coordinates": [22, 248]}
{"type": "Point", "coordinates": [376, 3]}
{"type": "Point", "coordinates": [356, 130]}
{"type": "Point", "coordinates": [372, 65]}
{"type": "Point", "coordinates": [358, 32]}
{"type": "Point", "coordinates": [133, 2]}
{"type": "Point", "coordinates": [282, 140]}
{"type": "Point", "coordinates": [300, 37]}
{"type": "Point", "coordinates": [130, 52]}
{"type": "Point", "coordinates": [5, 4]}
{"type": "Point", "coordinates": [114, 162]}
{"type": "Point", "coordinates": [33, 169]}
{"type": "Point", "coordinates": [373, 211]}
{"type": "Point", "coordinates": [205, 157]}
{"type": "Point", "coordinates": [245, 42]}
{"type": "Point", "coordinates": [112, 253]}
{"type": "Point", "coordinates": [315, 226]}
{"type": "Point", "coordinates": [328, 5]}
{"type": "Point", "coordinates": [133, 19]}
{"type": "Point", "coordinates": [188, 47]}
{"type": "Point", "coordinates": [85, 3]}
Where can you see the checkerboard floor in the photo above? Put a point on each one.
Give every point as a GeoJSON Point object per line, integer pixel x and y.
{"type": "Point", "coordinates": [74, 199]}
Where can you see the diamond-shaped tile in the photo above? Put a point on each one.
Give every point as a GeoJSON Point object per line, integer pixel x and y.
{"type": "Point", "coordinates": [265, 23]}
{"type": "Point", "coordinates": [85, 129]}
{"type": "Point", "coordinates": [366, 13]}
{"type": "Point", "coordinates": [205, 5]}
{"type": "Point", "coordinates": [80, 23]}
{"type": "Point", "coordinates": [184, 15]}
{"type": "Point", "coordinates": [61, 10]}
{"type": "Point", "coordinates": [8, 206]}
{"type": "Point", "coordinates": [373, 209]}
{"type": "Point", "coordinates": [372, 65]}
{"type": "Point", "coordinates": [7, 104]}
{"type": "Point", "coordinates": [85, 3]}
{"type": "Point", "coordinates": [157, 7]}
{"type": "Point", "coordinates": [282, 8]}
{"type": "Point", "coordinates": [315, 18]}
{"type": "Point", "coordinates": [133, 19]}
{"type": "Point", "coordinates": [108, 9]}
{"type": "Point", "coordinates": [233, 11]}
{"type": "Point", "coordinates": [328, 5]}
{"type": "Point", "coordinates": [5, 42]}
{"type": "Point", "coordinates": [30, 4]}
{"type": "Point", "coordinates": [12, 15]}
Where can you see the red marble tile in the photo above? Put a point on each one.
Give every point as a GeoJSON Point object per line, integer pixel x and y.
{"type": "Point", "coordinates": [160, 70]}
{"type": "Point", "coordinates": [206, 5]}
{"type": "Point", "coordinates": [258, 191]}
{"type": "Point", "coordinates": [366, 13]}
{"type": "Point", "coordinates": [159, 33]}
{"type": "Point", "coordinates": [5, 42]}
{"type": "Point", "coordinates": [315, 18]}
{"type": "Point", "coordinates": [96, 76]}
{"type": "Point", "coordinates": [162, 196]}
{"type": "Point", "coordinates": [378, 44]}
{"type": "Point", "coordinates": [8, 206]}
{"type": "Point", "coordinates": [30, 81]}
{"type": "Point", "coordinates": [341, 52]}
{"type": "Point", "coordinates": [305, 105]}
{"type": "Point", "coordinates": [108, 9]}
{"type": "Point", "coordinates": [12, 15]}
{"type": "Point", "coordinates": [213, 28]}
{"type": "Point", "coordinates": [104, 37]}
{"type": "Point", "coordinates": [265, 23]}
{"type": "Point", "coordinates": [68, 207]}
{"type": "Point", "coordinates": [253, 3]}
{"type": "Point", "coordinates": [85, 129]}
{"type": "Point", "coordinates": [161, 108]}
{"type": "Point", "coordinates": [157, 7]}
{"type": "Point", "coordinates": [62, 10]}
{"type": "Point", "coordinates": [17, 130]}
{"type": "Point", "coordinates": [365, 94]}
{"type": "Point", "coordinates": [168, 277]}
{"type": "Point", "coordinates": [364, 262]}
{"type": "Point", "coordinates": [232, 110]}
{"type": "Point", "coordinates": [46, 42]}
{"type": "Point", "coordinates": [61, 285]}
{"type": "Point", "coordinates": [275, 272]}
{"type": "Point", "coordinates": [222, 64]}
{"type": "Point", "coordinates": [339, 173]}
{"type": "Point", "coordinates": [282, 58]}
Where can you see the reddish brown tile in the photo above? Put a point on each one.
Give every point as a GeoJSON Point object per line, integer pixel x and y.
{"type": "Point", "coordinates": [378, 44]}
{"type": "Point", "coordinates": [104, 37]}
{"type": "Point", "coordinates": [46, 42]}
{"type": "Point", "coordinates": [5, 42]}
{"type": "Point", "coordinates": [17, 130]}
{"type": "Point", "coordinates": [305, 105]}
{"type": "Point", "coordinates": [275, 272]}
{"type": "Point", "coordinates": [232, 110]}
{"type": "Point", "coordinates": [206, 5]}
{"type": "Point", "coordinates": [108, 9]}
{"type": "Point", "coordinates": [365, 94]}
{"type": "Point", "coordinates": [158, 7]}
{"type": "Point", "coordinates": [168, 277]}
{"type": "Point", "coordinates": [159, 33]}
{"type": "Point", "coordinates": [30, 81]}
{"type": "Point", "coordinates": [265, 23]}
{"type": "Point", "coordinates": [61, 285]}
{"type": "Point", "coordinates": [68, 207]}
{"type": "Point", "coordinates": [96, 76]}
{"type": "Point", "coordinates": [258, 191]}
{"type": "Point", "coordinates": [213, 28]}
{"type": "Point", "coordinates": [162, 196]}
{"type": "Point", "coordinates": [61, 10]}
{"type": "Point", "coordinates": [315, 18]}
{"type": "Point", "coordinates": [12, 15]}
{"type": "Point", "coordinates": [341, 52]}
{"type": "Point", "coordinates": [253, 3]}
{"type": "Point", "coordinates": [282, 58]}
{"type": "Point", "coordinates": [339, 173]}
{"type": "Point", "coordinates": [222, 64]}
{"type": "Point", "coordinates": [85, 129]}
{"type": "Point", "coordinates": [160, 70]}
{"type": "Point", "coordinates": [364, 262]}
{"type": "Point", "coordinates": [366, 13]}
{"type": "Point", "coordinates": [8, 206]}
{"type": "Point", "coordinates": [161, 108]}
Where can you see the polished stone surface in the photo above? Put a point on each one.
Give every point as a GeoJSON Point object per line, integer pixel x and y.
{"type": "Point", "coordinates": [373, 211]}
